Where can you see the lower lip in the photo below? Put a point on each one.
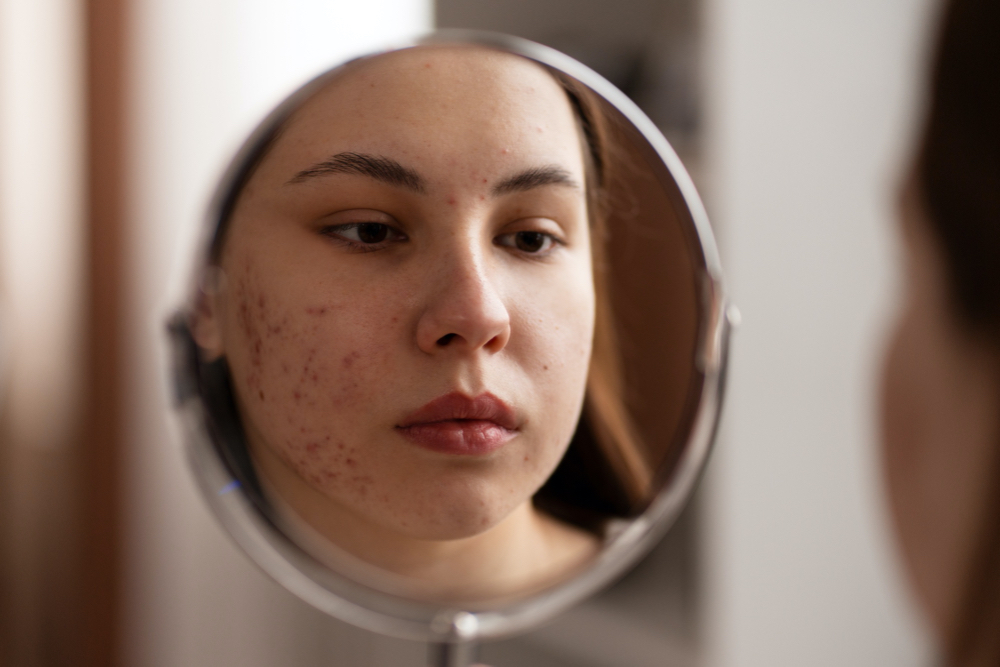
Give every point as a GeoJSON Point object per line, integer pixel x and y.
{"type": "Point", "coordinates": [469, 437]}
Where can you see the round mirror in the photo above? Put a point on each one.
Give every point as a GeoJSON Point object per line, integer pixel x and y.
{"type": "Point", "coordinates": [453, 356]}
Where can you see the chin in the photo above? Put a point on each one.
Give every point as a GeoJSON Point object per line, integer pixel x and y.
{"type": "Point", "coordinates": [453, 516]}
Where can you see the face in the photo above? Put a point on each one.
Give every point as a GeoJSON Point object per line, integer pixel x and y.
{"type": "Point", "coordinates": [407, 299]}
{"type": "Point", "coordinates": [939, 426]}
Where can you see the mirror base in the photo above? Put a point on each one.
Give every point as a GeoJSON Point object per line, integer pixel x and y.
{"type": "Point", "coordinates": [452, 654]}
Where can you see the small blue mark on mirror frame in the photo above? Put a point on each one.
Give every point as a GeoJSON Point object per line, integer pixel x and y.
{"type": "Point", "coordinates": [235, 484]}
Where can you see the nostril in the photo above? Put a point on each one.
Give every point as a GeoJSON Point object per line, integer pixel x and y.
{"type": "Point", "coordinates": [445, 339]}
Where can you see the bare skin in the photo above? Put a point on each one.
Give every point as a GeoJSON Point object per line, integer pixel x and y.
{"type": "Point", "coordinates": [940, 426]}
{"type": "Point", "coordinates": [352, 297]}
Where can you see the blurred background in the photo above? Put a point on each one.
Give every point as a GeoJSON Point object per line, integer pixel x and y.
{"type": "Point", "coordinates": [117, 117]}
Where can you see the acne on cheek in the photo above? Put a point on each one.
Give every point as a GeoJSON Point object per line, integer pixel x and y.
{"type": "Point", "coordinates": [285, 354]}
{"type": "Point", "coordinates": [330, 467]}
{"type": "Point", "coordinates": [299, 387]}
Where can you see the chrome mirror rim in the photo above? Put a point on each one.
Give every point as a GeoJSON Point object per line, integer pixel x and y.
{"type": "Point", "coordinates": [376, 610]}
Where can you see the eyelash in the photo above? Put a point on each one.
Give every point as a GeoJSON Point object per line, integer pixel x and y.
{"type": "Point", "coordinates": [509, 240]}
{"type": "Point", "coordinates": [550, 243]}
{"type": "Point", "coordinates": [336, 232]}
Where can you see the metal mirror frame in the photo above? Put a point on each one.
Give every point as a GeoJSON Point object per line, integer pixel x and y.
{"type": "Point", "coordinates": [375, 610]}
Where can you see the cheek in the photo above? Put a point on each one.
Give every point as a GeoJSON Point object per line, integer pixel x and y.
{"type": "Point", "coordinates": [899, 419]}
{"type": "Point", "coordinates": [558, 337]}
{"type": "Point", "coordinates": [301, 370]}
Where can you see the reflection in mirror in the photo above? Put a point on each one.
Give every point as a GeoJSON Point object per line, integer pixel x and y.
{"type": "Point", "coordinates": [454, 330]}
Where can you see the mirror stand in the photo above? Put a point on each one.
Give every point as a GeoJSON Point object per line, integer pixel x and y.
{"type": "Point", "coordinates": [452, 654]}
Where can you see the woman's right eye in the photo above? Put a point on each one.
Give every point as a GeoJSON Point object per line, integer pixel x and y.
{"type": "Point", "coordinates": [365, 236]}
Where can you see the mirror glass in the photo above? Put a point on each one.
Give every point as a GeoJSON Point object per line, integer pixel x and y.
{"type": "Point", "coordinates": [453, 354]}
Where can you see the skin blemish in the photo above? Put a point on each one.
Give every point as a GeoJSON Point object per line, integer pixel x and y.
{"type": "Point", "coordinates": [545, 368]}
{"type": "Point", "coordinates": [261, 394]}
{"type": "Point", "coordinates": [316, 310]}
{"type": "Point", "coordinates": [451, 200]}
{"type": "Point", "coordinates": [349, 360]}
{"type": "Point", "coordinates": [351, 462]}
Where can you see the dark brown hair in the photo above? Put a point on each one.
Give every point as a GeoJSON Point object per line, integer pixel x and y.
{"type": "Point", "coordinates": [607, 450]}
{"type": "Point", "coordinates": [958, 177]}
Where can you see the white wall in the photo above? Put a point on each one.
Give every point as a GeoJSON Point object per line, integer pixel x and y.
{"type": "Point", "coordinates": [204, 73]}
{"type": "Point", "coordinates": [810, 107]}
{"type": "Point", "coordinates": [41, 130]}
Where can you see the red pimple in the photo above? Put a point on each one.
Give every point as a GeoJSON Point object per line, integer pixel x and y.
{"type": "Point", "coordinates": [351, 462]}
{"type": "Point", "coordinates": [349, 360]}
{"type": "Point", "coordinates": [451, 200]}
{"type": "Point", "coordinates": [261, 393]}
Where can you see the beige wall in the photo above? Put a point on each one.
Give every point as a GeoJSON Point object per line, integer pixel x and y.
{"type": "Point", "coordinates": [810, 108]}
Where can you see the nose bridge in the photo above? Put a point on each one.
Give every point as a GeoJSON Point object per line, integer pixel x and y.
{"type": "Point", "coordinates": [466, 270]}
{"type": "Point", "coordinates": [466, 308]}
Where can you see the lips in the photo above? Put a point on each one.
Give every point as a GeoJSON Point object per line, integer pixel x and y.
{"type": "Point", "coordinates": [457, 424]}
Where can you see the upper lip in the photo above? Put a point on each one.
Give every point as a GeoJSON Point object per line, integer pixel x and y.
{"type": "Point", "coordinates": [458, 406]}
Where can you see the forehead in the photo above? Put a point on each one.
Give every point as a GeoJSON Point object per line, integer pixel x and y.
{"type": "Point", "coordinates": [435, 107]}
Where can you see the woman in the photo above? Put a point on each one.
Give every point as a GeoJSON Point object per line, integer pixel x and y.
{"type": "Point", "coordinates": [406, 308]}
{"type": "Point", "coordinates": [941, 385]}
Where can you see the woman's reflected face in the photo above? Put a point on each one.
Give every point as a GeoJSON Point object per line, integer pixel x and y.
{"type": "Point", "coordinates": [407, 304]}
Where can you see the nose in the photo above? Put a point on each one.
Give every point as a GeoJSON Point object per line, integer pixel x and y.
{"type": "Point", "coordinates": [464, 311]}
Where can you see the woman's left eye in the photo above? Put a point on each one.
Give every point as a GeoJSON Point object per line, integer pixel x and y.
{"type": "Point", "coordinates": [530, 242]}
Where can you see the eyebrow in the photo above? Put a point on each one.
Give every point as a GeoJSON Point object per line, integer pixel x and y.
{"type": "Point", "coordinates": [535, 177]}
{"type": "Point", "coordinates": [380, 168]}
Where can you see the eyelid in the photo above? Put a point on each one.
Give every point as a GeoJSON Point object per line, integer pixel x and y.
{"type": "Point", "coordinates": [358, 215]}
{"type": "Point", "coordinates": [541, 224]}
{"type": "Point", "coordinates": [554, 243]}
